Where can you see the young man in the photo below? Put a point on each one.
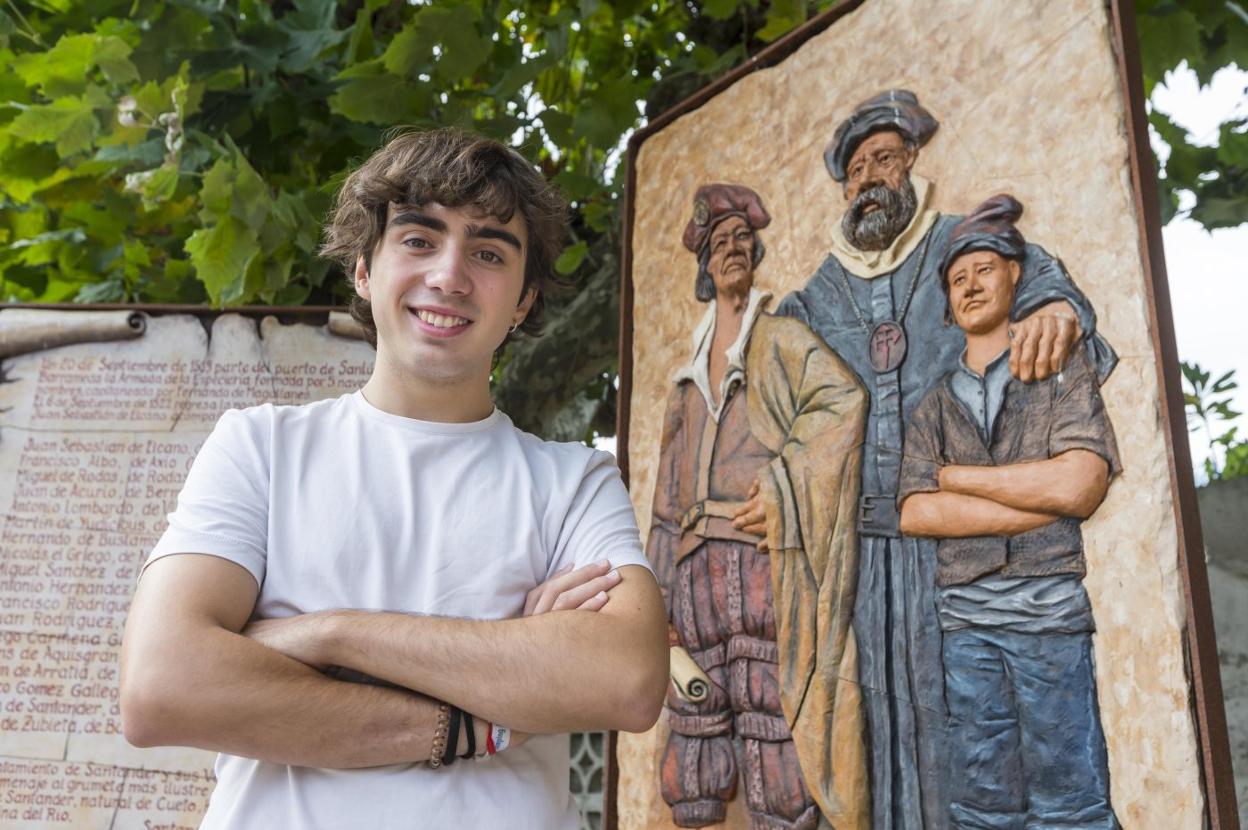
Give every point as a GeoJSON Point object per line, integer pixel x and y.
{"type": "Point", "coordinates": [1004, 473]}
{"type": "Point", "coordinates": [491, 574]}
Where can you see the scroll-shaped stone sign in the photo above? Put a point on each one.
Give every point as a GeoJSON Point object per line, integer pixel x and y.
{"type": "Point", "coordinates": [101, 414]}
{"type": "Point", "coordinates": [904, 438]}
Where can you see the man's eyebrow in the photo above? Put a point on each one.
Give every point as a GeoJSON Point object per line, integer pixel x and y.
{"type": "Point", "coordinates": [414, 218]}
{"type": "Point", "coordinates": [487, 232]}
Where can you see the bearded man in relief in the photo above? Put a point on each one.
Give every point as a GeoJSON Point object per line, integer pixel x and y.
{"type": "Point", "coordinates": [877, 301]}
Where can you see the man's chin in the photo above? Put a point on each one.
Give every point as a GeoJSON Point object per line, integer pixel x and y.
{"type": "Point", "coordinates": [976, 325]}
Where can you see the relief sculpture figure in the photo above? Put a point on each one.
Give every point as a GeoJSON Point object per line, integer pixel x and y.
{"type": "Point", "coordinates": [1003, 473]}
{"type": "Point", "coordinates": [759, 465]}
{"type": "Point", "coordinates": [877, 300]}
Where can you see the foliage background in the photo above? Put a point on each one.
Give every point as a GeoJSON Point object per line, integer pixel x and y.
{"type": "Point", "coordinates": [185, 151]}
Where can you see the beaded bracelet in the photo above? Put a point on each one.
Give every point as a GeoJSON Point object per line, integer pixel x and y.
{"type": "Point", "coordinates": [452, 737]}
{"type": "Point", "coordinates": [439, 735]}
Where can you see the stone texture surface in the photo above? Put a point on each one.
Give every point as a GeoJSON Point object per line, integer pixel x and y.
{"type": "Point", "coordinates": [95, 440]}
{"type": "Point", "coordinates": [1028, 98]}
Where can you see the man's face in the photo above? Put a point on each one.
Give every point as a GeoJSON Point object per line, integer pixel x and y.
{"type": "Point", "coordinates": [881, 158]}
{"type": "Point", "coordinates": [981, 290]}
{"type": "Point", "coordinates": [731, 263]}
{"type": "Point", "coordinates": [881, 198]}
{"type": "Point", "coordinates": [445, 286]}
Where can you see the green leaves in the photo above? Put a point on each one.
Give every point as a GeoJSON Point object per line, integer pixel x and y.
{"type": "Point", "coordinates": [64, 69]}
{"type": "Point", "coordinates": [1206, 35]}
{"type": "Point", "coordinates": [1206, 410]}
{"type": "Point", "coordinates": [370, 94]}
{"type": "Point", "coordinates": [310, 32]}
{"type": "Point", "coordinates": [782, 16]}
{"type": "Point", "coordinates": [236, 255]}
{"type": "Point", "coordinates": [68, 121]}
{"type": "Point", "coordinates": [572, 257]}
{"type": "Point", "coordinates": [221, 255]}
{"type": "Point", "coordinates": [443, 40]}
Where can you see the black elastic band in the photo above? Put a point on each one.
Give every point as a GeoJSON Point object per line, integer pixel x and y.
{"type": "Point", "coordinates": [471, 736]}
{"type": "Point", "coordinates": [452, 737]}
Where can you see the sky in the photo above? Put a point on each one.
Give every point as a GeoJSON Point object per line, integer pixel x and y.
{"type": "Point", "coordinates": [1208, 272]}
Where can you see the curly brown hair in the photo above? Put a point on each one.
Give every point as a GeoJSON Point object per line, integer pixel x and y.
{"type": "Point", "coordinates": [453, 168]}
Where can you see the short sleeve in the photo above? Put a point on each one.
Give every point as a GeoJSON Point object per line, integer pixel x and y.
{"type": "Point", "coordinates": [599, 522]}
{"type": "Point", "coordinates": [920, 460]}
{"type": "Point", "coordinates": [223, 508]}
{"type": "Point", "coordinates": [1080, 421]}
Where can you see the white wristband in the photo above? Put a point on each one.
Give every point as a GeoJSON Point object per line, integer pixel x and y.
{"type": "Point", "coordinates": [501, 737]}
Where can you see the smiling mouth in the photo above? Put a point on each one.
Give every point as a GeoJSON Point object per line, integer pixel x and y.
{"type": "Point", "coordinates": [441, 321]}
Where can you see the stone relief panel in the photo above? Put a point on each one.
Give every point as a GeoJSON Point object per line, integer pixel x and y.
{"type": "Point", "coordinates": [1028, 102]}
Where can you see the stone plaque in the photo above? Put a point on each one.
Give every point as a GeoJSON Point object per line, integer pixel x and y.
{"type": "Point", "coordinates": [101, 414]}
{"type": "Point", "coordinates": [1037, 100]}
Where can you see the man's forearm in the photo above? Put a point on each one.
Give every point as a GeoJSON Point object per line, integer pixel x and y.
{"type": "Point", "coordinates": [1070, 484]}
{"type": "Point", "coordinates": [187, 679]}
{"type": "Point", "coordinates": [946, 515]}
{"type": "Point", "coordinates": [233, 695]}
{"type": "Point", "coordinates": [555, 672]}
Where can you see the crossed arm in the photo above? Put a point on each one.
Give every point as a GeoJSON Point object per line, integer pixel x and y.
{"type": "Point", "coordinates": [1010, 499]}
{"type": "Point", "coordinates": [191, 676]}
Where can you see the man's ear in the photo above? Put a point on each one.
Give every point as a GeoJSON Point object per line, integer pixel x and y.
{"type": "Point", "coordinates": [526, 303]}
{"type": "Point", "coordinates": [1016, 271]}
{"type": "Point", "coordinates": [361, 279]}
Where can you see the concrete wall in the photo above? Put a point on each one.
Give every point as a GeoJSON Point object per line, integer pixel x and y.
{"type": "Point", "coordinates": [1224, 518]}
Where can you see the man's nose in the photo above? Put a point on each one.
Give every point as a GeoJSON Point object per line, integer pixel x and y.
{"type": "Point", "coordinates": [448, 273]}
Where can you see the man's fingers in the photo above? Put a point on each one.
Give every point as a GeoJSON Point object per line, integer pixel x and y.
{"type": "Point", "coordinates": [535, 596]}
{"type": "Point", "coordinates": [751, 514]}
{"type": "Point", "coordinates": [757, 528]}
{"type": "Point", "coordinates": [565, 580]}
{"type": "Point", "coordinates": [1044, 346]}
{"type": "Point", "coordinates": [1025, 346]}
{"type": "Point", "coordinates": [1067, 334]}
{"type": "Point", "coordinates": [595, 602]}
{"type": "Point", "coordinates": [574, 597]}
{"type": "Point", "coordinates": [753, 490]}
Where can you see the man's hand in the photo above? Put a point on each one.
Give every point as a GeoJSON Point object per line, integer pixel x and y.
{"type": "Point", "coordinates": [752, 517]}
{"type": "Point", "coordinates": [584, 589]}
{"type": "Point", "coordinates": [1041, 342]}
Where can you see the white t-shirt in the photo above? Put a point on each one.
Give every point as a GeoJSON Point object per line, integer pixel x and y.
{"type": "Point", "coordinates": [340, 505]}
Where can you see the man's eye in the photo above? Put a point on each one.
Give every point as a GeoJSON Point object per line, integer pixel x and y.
{"type": "Point", "coordinates": [884, 158]}
{"type": "Point", "coordinates": [490, 256]}
{"type": "Point", "coordinates": [416, 242]}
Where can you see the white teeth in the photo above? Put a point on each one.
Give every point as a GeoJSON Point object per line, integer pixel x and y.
{"type": "Point", "coordinates": [440, 320]}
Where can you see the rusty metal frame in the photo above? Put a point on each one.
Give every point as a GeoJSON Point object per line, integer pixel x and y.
{"type": "Point", "coordinates": [1201, 653]}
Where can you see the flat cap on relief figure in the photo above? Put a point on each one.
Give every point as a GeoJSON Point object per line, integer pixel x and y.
{"type": "Point", "coordinates": [897, 109]}
{"type": "Point", "coordinates": [989, 227]}
{"type": "Point", "coordinates": [713, 203]}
